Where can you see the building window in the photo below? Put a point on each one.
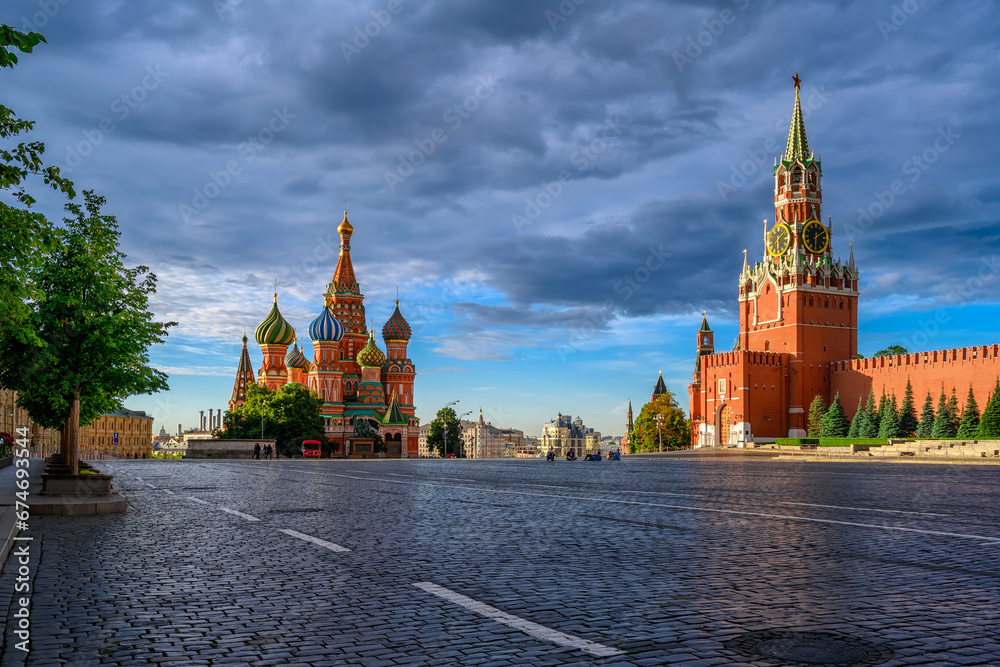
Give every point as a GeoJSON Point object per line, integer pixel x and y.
{"type": "Point", "coordinates": [767, 346]}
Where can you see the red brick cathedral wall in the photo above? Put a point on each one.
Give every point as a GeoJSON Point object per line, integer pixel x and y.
{"type": "Point", "coordinates": [927, 371]}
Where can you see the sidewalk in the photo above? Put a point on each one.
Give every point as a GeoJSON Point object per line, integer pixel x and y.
{"type": "Point", "coordinates": [8, 487]}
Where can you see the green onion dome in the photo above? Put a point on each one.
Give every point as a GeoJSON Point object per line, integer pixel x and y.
{"type": "Point", "coordinates": [370, 356]}
{"type": "Point", "coordinates": [295, 358]}
{"type": "Point", "coordinates": [397, 327]}
{"type": "Point", "coordinates": [274, 330]}
{"type": "Point", "coordinates": [326, 327]}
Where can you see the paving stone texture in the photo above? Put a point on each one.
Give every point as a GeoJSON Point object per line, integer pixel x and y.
{"type": "Point", "coordinates": [673, 562]}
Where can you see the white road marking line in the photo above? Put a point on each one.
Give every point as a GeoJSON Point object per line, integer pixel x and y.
{"type": "Point", "coordinates": [518, 623]}
{"type": "Point", "coordinates": [198, 500]}
{"type": "Point", "coordinates": [863, 509]}
{"type": "Point", "coordinates": [248, 517]}
{"type": "Point", "coordinates": [315, 540]}
{"type": "Point", "coordinates": [169, 491]}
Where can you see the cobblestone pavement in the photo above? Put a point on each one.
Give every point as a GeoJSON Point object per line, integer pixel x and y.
{"type": "Point", "coordinates": [521, 562]}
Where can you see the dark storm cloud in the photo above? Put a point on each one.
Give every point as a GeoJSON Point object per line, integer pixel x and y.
{"type": "Point", "coordinates": [694, 85]}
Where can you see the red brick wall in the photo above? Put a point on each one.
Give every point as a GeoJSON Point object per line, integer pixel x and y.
{"type": "Point", "coordinates": [927, 371]}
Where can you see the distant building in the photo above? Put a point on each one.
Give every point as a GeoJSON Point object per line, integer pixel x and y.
{"type": "Point", "coordinates": [133, 428]}
{"type": "Point", "coordinates": [565, 433]}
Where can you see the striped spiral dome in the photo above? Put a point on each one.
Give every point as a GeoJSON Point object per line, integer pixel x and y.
{"type": "Point", "coordinates": [274, 330]}
{"type": "Point", "coordinates": [326, 327]}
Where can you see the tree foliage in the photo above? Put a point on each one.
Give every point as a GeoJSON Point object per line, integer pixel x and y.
{"type": "Point", "coordinates": [968, 425]}
{"type": "Point", "coordinates": [926, 425]}
{"type": "Point", "coordinates": [859, 416]}
{"type": "Point", "coordinates": [673, 427]}
{"type": "Point", "coordinates": [817, 409]}
{"type": "Point", "coordinates": [908, 413]}
{"type": "Point", "coordinates": [436, 433]}
{"type": "Point", "coordinates": [989, 423]}
{"type": "Point", "coordinates": [943, 419]}
{"type": "Point", "coordinates": [93, 328]}
{"type": "Point", "coordinates": [835, 424]}
{"type": "Point", "coordinates": [288, 416]}
{"type": "Point", "coordinates": [891, 351]}
{"type": "Point", "coordinates": [889, 424]}
{"type": "Point", "coordinates": [869, 426]}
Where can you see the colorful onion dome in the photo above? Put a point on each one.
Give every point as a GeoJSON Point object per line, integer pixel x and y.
{"type": "Point", "coordinates": [295, 358]}
{"type": "Point", "coordinates": [345, 227]}
{"type": "Point", "coordinates": [274, 330]}
{"type": "Point", "coordinates": [326, 327]}
{"type": "Point", "coordinates": [370, 356]}
{"type": "Point", "coordinates": [396, 328]}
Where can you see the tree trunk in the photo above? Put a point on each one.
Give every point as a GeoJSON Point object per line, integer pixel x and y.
{"type": "Point", "coordinates": [73, 436]}
{"type": "Point", "coordinates": [64, 441]}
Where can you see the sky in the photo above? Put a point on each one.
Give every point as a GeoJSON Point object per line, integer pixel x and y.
{"type": "Point", "coordinates": [557, 189]}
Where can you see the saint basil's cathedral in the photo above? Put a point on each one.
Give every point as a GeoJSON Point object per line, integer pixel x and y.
{"type": "Point", "coordinates": [364, 389]}
{"type": "Point", "coordinates": [798, 335]}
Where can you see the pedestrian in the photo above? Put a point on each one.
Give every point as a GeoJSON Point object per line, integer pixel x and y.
{"type": "Point", "coordinates": [256, 451]}
{"type": "Point", "coordinates": [268, 449]}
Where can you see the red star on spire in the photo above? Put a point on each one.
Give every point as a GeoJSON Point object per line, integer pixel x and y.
{"type": "Point", "coordinates": [797, 80]}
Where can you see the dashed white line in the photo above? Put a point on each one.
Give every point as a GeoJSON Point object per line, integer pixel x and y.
{"type": "Point", "coordinates": [315, 540]}
{"type": "Point", "coordinates": [248, 517]}
{"type": "Point", "coordinates": [198, 500]}
{"type": "Point", "coordinates": [518, 623]}
{"type": "Point", "coordinates": [169, 491]}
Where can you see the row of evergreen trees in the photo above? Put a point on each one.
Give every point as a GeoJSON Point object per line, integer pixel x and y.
{"type": "Point", "coordinates": [891, 420]}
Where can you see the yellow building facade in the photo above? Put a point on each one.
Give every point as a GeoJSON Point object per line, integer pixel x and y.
{"type": "Point", "coordinates": [134, 429]}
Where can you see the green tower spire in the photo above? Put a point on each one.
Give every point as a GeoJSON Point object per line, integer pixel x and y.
{"type": "Point", "coordinates": [798, 146]}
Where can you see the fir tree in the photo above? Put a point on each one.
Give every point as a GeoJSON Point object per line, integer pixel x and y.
{"type": "Point", "coordinates": [817, 409]}
{"type": "Point", "coordinates": [889, 425]}
{"type": "Point", "coordinates": [943, 419]}
{"type": "Point", "coordinates": [908, 413]}
{"type": "Point", "coordinates": [859, 416]}
{"type": "Point", "coordinates": [953, 412]}
{"type": "Point", "coordinates": [835, 424]}
{"type": "Point", "coordinates": [881, 408]}
{"type": "Point", "coordinates": [968, 426]}
{"type": "Point", "coordinates": [926, 425]}
{"type": "Point", "coordinates": [869, 427]}
{"type": "Point", "coordinates": [989, 424]}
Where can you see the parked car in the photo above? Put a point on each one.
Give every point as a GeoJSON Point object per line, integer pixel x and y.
{"type": "Point", "coordinates": [311, 449]}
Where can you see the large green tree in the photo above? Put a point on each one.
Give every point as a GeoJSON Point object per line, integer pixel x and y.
{"type": "Point", "coordinates": [673, 427]}
{"type": "Point", "coordinates": [926, 426]}
{"type": "Point", "coordinates": [859, 417]}
{"type": "Point", "coordinates": [288, 416]}
{"type": "Point", "coordinates": [817, 409]}
{"type": "Point", "coordinates": [968, 425]}
{"type": "Point", "coordinates": [26, 235]}
{"type": "Point", "coordinates": [890, 351]}
{"type": "Point", "coordinates": [908, 413]}
{"type": "Point", "coordinates": [90, 313]}
{"type": "Point", "coordinates": [436, 433]}
{"type": "Point", "coordinates": [835, 424]}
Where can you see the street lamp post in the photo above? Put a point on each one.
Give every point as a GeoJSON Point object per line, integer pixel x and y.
{"type": "Point", "coordinates": [659, 428]}
{"type": "Point", "coordinates": [444, 421]}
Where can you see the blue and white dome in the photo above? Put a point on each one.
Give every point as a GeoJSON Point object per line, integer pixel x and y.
{"type": "Point", "coordinates": [326, 327]}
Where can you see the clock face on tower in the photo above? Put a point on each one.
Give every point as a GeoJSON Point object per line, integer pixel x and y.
{"type": "Point", "coordinates": [778, 239]}
{"type": "Point", "coordinates": [815, 237]}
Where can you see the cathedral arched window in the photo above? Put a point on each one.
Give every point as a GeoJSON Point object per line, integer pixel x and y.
{"type": "Point", "coordinates": [810, 301]}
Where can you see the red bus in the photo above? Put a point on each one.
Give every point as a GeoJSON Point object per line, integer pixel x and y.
{"type": "Point", "coordinates": [310, 449]}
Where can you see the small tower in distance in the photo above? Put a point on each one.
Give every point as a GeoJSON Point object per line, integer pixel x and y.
{"type": "Point", "coordinates": [659, 390]}
{"type": "Point", "coordinates": [244, 375]}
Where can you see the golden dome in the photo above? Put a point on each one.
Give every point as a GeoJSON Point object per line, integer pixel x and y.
{"type": "Point", "coordinates": [345, 227]}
